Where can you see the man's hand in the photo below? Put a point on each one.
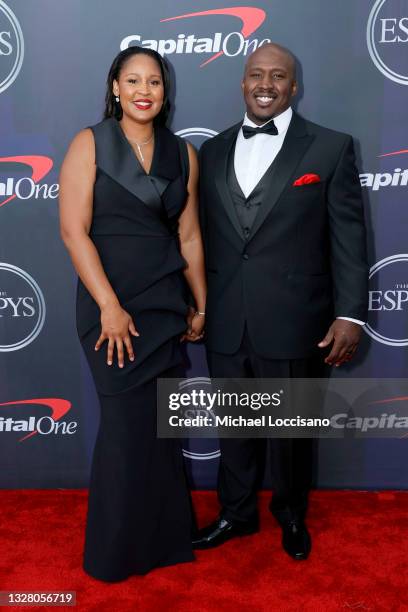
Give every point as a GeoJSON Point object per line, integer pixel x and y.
{"type": "Point", "coordinates": [346, 336]}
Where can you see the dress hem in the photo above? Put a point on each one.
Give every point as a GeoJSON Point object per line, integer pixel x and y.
{"type": "Point", "coordinates": [186, 558]}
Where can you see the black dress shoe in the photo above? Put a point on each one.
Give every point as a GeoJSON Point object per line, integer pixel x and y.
{"type": "Point", "coordinates": [221, 531]}
{"type": "Point", "coordinates": [296, 539]}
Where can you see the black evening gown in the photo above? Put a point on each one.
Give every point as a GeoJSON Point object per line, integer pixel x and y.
{"type": "Point", "coordinates": [139, 511]}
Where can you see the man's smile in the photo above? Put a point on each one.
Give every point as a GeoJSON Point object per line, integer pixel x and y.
{"type": "Point", "coordinates": [264, 100]}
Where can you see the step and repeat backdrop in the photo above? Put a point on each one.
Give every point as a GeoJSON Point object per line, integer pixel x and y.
{"type": "Point", "coordinates": [54, 59]}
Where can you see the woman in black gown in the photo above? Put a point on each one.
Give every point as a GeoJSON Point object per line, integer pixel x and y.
{"type": "Point", "coordinates": [128, 210]}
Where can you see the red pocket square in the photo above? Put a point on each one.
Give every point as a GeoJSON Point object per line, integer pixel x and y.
{"type": "Point", "coordinates": [306, 179]}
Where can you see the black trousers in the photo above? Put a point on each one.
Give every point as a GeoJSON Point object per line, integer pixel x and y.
{"type": "Point", "coordinates": [291, 460]}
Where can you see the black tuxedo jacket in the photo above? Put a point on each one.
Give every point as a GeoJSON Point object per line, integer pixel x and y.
{"type": "Point", "coordinates": [305, 260]}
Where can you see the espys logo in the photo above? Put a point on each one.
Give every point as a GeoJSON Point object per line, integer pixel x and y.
{"type": "Point", "coordinates": [197, 134]}
{"type": "Point", "coordinates": [230, 44]}
{"type": "Point", "coordinates": [34, 424]}
{"type": "Point", "coordinates": [204, 450]}
{"type": "Point", "coordinates": [388, 301]}
{"type": "Point", "coordinates": [398, 177]}
{"type": "Point", "coordinates": [11, 47]}
{"type": "Point", "coordinates": [387, 38]}
{"type": "Point", "coordinates": [22, 308]}
{"type": "Point", "coordinates": [26, 187]}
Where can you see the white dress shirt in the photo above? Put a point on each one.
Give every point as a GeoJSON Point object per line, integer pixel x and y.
{"type": "Point", "coordinates": [254, 155]}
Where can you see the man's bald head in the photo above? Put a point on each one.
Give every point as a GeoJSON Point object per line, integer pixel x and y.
{"type": "Point", "coordinates": [272, 50]}
{"type": "Point", "coordinates": [269, 82]}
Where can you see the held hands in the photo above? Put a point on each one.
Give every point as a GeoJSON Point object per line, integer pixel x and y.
{"type": "Point", "coordinates": [195, 326]}
{"type": "Point", "coordinates": [116, 324]}
{"type": "Point", "coordinates": [345, 336]}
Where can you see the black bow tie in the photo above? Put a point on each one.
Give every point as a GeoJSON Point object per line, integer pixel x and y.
{"type": "Point", "coordinates": [268, 128]}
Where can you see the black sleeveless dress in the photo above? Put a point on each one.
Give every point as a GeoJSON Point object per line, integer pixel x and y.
{"type": "Point", "coordinates": [139, 511]}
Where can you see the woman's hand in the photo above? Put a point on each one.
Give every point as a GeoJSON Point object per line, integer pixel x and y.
{"type": "Point", "coordinates": [195, 323]}
{"type": "Point", "coordinates": [197, 327]}
{"type": "Point", "coordinates": [116, 324]}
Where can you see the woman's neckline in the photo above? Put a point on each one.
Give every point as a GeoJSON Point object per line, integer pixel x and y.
{"type": "Point", "coordinates": [149, 173]}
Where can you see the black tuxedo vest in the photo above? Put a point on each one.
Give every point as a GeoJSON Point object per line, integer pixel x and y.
{"type": "Point", "coordinates": [246, 208]}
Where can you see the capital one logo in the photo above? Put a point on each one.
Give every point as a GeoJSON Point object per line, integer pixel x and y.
{"type": "Point", "coordinates": [387, 38]}
{"type": "Point", "coordinates": [217, 44]}
{"type": "Point", "coordinates": [22, 308]}
{"type": "Point", "coordinates": [26, 187]}
{"type": "Point", "coordinates": [21, 421]}
{"type": "Point", "coordinates": [388, 301]}
{"type": "Point", "coordinates": [393, 177]}
{"type": "Point", "coordinates": [11, 47]}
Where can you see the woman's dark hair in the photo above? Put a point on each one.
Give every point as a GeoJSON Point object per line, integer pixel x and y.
{"type": "Point", "coordinates": [113, 108]}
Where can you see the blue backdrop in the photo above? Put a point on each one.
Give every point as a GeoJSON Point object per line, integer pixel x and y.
{"type": "Point", "coordinates": [54, 58]}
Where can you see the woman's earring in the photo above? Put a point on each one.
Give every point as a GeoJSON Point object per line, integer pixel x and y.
{"type": "Point", "coordinates": [117, 98]}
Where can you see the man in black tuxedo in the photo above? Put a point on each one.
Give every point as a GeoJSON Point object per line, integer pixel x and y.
{"type": "Point", "coordinates": [285, 244]}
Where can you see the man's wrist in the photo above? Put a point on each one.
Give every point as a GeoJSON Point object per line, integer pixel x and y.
{"type": "Point", "coordinates": [352, 320]}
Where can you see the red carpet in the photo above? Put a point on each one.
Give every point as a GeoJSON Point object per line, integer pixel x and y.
{"type": "Point", "coordinates": [359, 559]}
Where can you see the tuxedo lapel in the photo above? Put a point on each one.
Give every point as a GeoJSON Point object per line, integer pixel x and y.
{"type": "Point", "coordinates": [294, 147]}
{"type": "Point", "coordinates": [223, 150]}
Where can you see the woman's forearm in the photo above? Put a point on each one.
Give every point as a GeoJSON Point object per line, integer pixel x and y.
{"type": "Point", "coordinates": [88, 265]}
{"type": "Point", "coordinates": [193, 253]}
